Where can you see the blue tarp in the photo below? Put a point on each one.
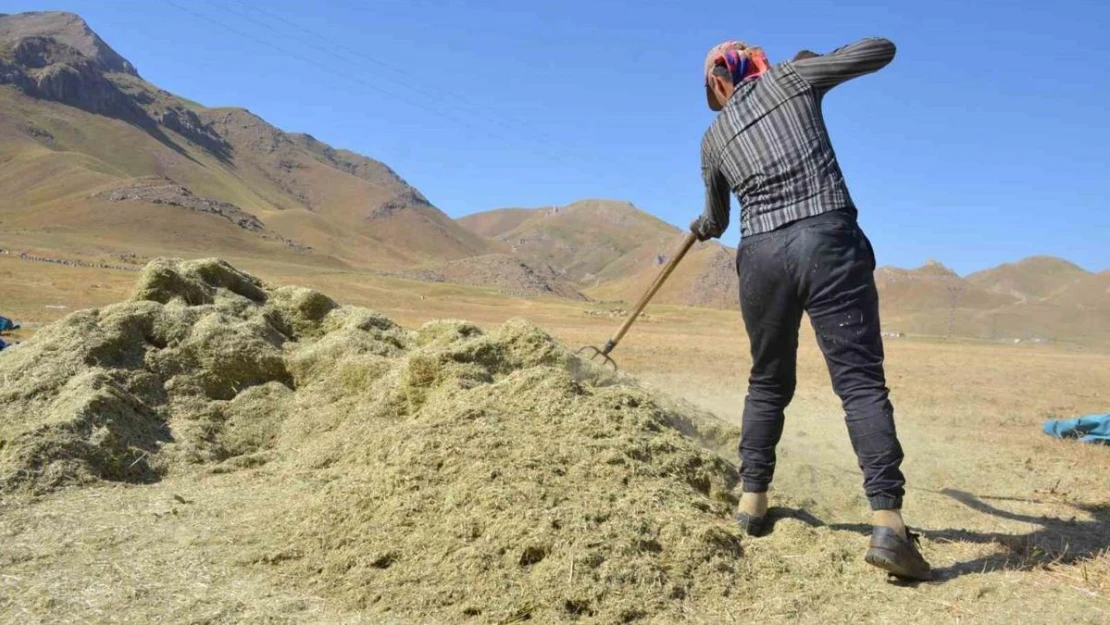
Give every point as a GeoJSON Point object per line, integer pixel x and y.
{"type": "Point", "coordinates": [7, 324]}
{"type": "Point", "coordinates": [2, 345]}
{"type": "Point", "coordinates": [1092, 429]}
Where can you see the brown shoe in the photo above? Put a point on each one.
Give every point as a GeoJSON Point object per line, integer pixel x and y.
{"type": "Point", "coordinates": [897, 554]}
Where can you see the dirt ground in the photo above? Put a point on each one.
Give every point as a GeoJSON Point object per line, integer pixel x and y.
{"type": "Point", "coordinates": [1017, 525]}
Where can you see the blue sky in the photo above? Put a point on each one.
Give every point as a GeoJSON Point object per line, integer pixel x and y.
{"type": "Point", "coordinates": [984, 142]}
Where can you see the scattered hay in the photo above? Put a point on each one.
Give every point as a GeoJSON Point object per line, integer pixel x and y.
{"type": "Point", "coordinates": [458, 475]}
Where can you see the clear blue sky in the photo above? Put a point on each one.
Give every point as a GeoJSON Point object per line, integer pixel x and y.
{"type": "Point", "coordinates": [985, 141]}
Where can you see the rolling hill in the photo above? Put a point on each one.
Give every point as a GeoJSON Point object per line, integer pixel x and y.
{"type": "Point", "coordinates": [612, 250]}
{"type": "Point", "coordinates": [705, 278]}
{"type": "Point", "coordinates": [1034, 278]}
{"type": "Point", "coordinates": [589, 241]}
{"type": "Point", "coordinates": [508, 274]}
{"type": "Point", "coordinates": [84, 138]}
{"type": "Point", "coordinates": [98, 162]}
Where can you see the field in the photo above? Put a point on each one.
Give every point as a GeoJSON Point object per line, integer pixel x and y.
{"type": "Point", "coordinates": [1016, 524]}
{"type": "Point", "coordinates": [181, 442]}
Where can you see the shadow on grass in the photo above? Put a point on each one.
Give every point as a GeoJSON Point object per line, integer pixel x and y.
{"type": "Point", "coordinates": [1058, 541]}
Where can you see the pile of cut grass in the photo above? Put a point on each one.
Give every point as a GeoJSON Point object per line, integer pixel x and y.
{"type": "Point", "coordinates": [458, 475]}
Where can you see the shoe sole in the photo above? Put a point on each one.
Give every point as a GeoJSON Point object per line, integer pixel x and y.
{"type": "Point", "coordinates": [885, 560]}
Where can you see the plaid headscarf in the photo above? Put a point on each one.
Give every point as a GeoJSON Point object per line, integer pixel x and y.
{"type": "Point", "coordinates": [743, 62]}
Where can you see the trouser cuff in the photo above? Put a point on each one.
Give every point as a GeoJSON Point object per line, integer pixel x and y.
{"type": "Point", "coordinates": [882, 502]}
{"type": "Point", "coordinates": [755, 487]}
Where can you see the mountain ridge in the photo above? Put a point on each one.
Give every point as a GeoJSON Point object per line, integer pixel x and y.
{"type": "Point", "coordinates": [1034, 298]}
{"type": "Point", "coordinates": [73, 107]}
{"type": "Point", "coordinates": [70, 29]}
{"type": "Point", "coordinates": [90, 151]}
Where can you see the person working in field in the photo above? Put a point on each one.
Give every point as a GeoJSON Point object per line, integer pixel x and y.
{"type": "Point", "coordinates": [802, 250]}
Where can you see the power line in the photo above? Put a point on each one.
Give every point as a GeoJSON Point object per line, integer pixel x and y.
{"type": "Point", "coordinates": [457, 97]}
{"type": "Point", "coordinates": [385, 92]}
{"type": "Point", "coordinates": [333, 45]}
{"type": "Point", "coordinates": [322, 66]}
{"type": "Point", "coordinates": [331, 53]}
{"type": "Point", "coordinates": [389, 190]}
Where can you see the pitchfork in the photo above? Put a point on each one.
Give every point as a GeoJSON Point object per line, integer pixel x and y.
{"type": "Point", "coordinates": [593, 353]}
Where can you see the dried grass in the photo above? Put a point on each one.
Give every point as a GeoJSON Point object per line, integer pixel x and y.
{"type": "Point", "coordinates": [462, 474]}
{"type": "Point", "coordinates": [229, 535]}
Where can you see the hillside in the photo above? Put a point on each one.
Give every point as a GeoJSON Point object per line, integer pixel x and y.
{"type": "Point", "coordinates": [492, 224]}
{"type": "Point", "coordinates": [705, 278]}
{"type": "Point", "coordinates": [1033, 278]}
{"type": "Point", "coordinates": [613, 250]}
{"type": "Point", "coordinates": [508, 274]}
{"type": "Point", "coordinates": [1092, 291]}
{"type": "Point", "coordinates": [933, 286]}
{"type": "Point", "coordinates": [80, 131]}
{"type": "Point", "coordinates": [1076, 311]}
{"type": "Point", "coordinates": [1037, 299]}
{"type": "Point", "coordinates": [931, 299]}
{"type": "Point", "coordinates": [97, 163]}
{"type": "Point", "coordinates": [591, 241]}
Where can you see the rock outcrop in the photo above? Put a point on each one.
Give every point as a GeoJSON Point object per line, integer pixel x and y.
{"type": "Point", "coordinates": [48, 69]}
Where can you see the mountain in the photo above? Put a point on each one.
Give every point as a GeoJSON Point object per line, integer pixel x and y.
{"type": "Point", "coordinates": [492, 224]}
{"type": "Point", "coordinates": [706, 277]}
{"type": "Point", "coordinates": [930, 287]}
{"type": "Point", "coordinates": [1078, 311]}
{"type": "Point", "coordinates": [1091, 292]}
{"type": "Point", "coordinates": [1033, 278]}
{"type": "Point", "coordinates": [67, 29]}
{"type": "Point", "coordinates": [612, 250]}
{"type": "Point", "coordinates": [89, 150]}
{"type": "Point", "coordinates": [97, 161]}
{"type": "Point", "coordinates": [587, 242]}
{"type": "Point", "coordinates": [510, 275]}
{"type": "Point", "coordinates": [1039, 298]}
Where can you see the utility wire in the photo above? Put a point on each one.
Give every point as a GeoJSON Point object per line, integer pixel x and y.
{"type": "Point", "coordinates": [421, 104]}
{"type": "Point", "coordinates": [401, 75]}
{"type": "Point", "coordinates": [315, 63]}
{"type": "Point", "coordinates": [457, 98]}
{"type": "Point", "coordinates": [390, 190]}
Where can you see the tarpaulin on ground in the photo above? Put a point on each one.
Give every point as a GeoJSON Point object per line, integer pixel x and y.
{"type": "Point", "coordinates": [1091, 429]}
{"type": "Point", "coordinates": [7, 324]}
{"type": "Point", "coordinates": [2, 345]}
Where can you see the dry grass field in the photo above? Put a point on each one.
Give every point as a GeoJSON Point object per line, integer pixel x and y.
{"type": "Point", "coordinates": [1017, 525]}
{"type": "Point", "coordinates": [217, 451]}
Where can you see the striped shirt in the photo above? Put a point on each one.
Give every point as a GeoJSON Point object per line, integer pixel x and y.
{"type": "Point", "coordinates": [769, 144]}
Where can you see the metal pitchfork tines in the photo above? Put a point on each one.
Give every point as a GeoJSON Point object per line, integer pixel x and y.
{"type": "Point", "coordinates": [589, 352]}
{"type": "Point", "coordinates": [593, 353]}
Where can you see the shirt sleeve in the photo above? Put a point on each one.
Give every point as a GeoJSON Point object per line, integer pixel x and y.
{"type": "Point", "coordinates": [714, 221]}
{"type": "Point", "coordinates": [851, 61]}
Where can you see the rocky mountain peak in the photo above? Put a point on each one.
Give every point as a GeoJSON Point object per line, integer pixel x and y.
{"type": "Point", "coordinates": [55, 56]}
{"type": "Point", "coordinates": [934, 267]}
{"type": "Point", "coordinates": [67, 29]}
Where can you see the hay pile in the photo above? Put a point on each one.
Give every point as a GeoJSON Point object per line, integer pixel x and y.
{"type": "Point", "coordinates": [456, 475]}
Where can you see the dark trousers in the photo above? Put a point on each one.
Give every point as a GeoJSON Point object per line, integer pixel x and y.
{"type": "Point", "coordinates": [822, 265]}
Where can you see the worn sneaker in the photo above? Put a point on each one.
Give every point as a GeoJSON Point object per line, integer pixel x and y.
{"type": "Point", "coordinates": [898, 554]}
{"type": "Point", "coordinates": [750, 525]}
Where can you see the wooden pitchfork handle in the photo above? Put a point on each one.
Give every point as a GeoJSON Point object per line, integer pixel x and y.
{"type": "Point", "coordinates": [687, 243]}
